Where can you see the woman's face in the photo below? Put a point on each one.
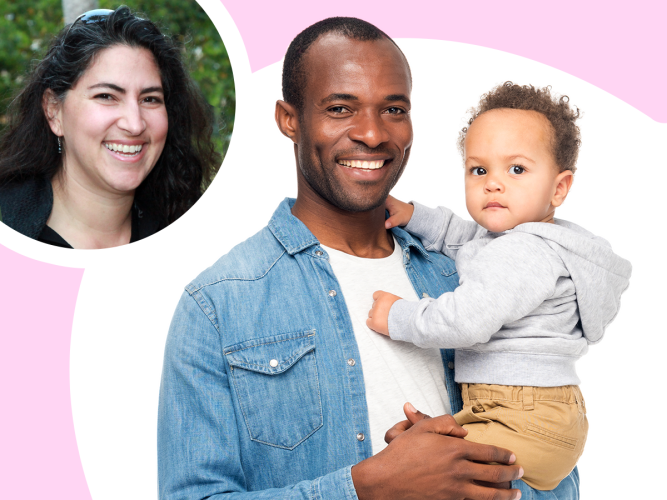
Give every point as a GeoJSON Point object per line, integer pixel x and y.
{"type": "Point", "coordinates": [113, 121]}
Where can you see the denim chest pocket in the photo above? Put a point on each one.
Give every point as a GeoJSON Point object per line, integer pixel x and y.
{"type": "Point", "coordinates": [277, 386]}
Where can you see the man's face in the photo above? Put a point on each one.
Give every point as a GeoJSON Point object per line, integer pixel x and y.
{"type": "Point", "coordinates": [355, 130]}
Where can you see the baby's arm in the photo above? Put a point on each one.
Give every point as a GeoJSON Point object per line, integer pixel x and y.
{"type": "Point", "coordinates": [378, 316]}
{"type": "Point", "coordinates": [508, 279]}
{"type": "Point", "coordinates": [439, 228]}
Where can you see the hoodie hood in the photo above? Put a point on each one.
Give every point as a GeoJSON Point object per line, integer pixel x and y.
{"type": "Point", "coordinates": [599, 275]}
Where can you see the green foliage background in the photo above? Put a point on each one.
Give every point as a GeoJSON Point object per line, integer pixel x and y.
{"type": "Point", "coordinates": [26, 29]}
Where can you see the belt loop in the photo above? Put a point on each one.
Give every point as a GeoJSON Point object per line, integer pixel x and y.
{"type": "Point", "coordinates": [464, 395]}
{"type": "Point", "coordinates": [528, 402]}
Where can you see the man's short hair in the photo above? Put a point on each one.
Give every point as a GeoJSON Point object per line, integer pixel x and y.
{"type": "Point", "coordinates": [294, 74]}
{"type": "Point", "coordinates": [566, 138]}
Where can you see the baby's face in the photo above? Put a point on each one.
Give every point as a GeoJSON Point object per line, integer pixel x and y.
{"type": "Point", "coordinates": [510, 174]}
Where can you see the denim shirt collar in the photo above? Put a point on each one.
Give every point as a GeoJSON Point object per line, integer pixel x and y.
{"type": "Point", "coordinates": [295, 237]}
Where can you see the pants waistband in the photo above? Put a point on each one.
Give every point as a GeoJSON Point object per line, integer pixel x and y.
{"type": "Point", "coordinates": [525, 394]}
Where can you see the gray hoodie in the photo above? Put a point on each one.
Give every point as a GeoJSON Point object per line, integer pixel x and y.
{"type": "Point", "coordinates": [530, 299]}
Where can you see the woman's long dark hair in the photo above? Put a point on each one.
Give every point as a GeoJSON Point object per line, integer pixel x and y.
{"type": "Point", "coordinates": [188, 161]}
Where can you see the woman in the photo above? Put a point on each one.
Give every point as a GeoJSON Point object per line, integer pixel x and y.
{"type": "Point", "coordinates": [109, 141]}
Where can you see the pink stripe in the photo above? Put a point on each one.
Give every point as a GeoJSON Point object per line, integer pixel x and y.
{"type": "Point", "coordinates": [39, 456]}
{"type": "Point", "coordinates": [618, 47]}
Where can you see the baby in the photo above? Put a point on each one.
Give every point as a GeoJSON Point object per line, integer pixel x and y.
{"type": "Point", "coordinates": [534, 291]}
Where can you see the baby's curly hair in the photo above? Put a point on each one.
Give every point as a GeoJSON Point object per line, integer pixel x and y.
{"type": "Point", "coordinates": [566, 136]}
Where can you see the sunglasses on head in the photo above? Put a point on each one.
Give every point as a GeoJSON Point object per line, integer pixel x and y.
{"type": "Point", "coordinates": [95, 16]}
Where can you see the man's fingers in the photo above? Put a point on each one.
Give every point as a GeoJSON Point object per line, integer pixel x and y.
{"type": "Point", "coordinates": [397, 429]}
{"type": "Point", "coordinates": [488, 453]}
{"type": "Point", "coordinates": [413, 414]}
{"type": "Point", "coordinates": [447, 426]}
{"type": "Point", "coordinates": [493, 473]}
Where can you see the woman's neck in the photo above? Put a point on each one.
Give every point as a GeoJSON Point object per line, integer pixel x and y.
{"type": "Point", "coordinates": [88, 220]}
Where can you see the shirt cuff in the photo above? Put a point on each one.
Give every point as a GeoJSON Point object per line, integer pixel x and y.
{"type": "Point", "coordinates": [337, 485]}
{"type": "Point", "coordinates": [399, 321]}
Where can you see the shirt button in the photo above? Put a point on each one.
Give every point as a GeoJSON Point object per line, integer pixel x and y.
{"type": "Point", "coordinates": [332, 293]}
{"type": "Point", "coordinates": [450, 365]}
{"type": "Point", "coordinates": [424, 295]}
{"type": "Point", "coordinates": [319, 253]}
{"type": "Point", "coordinates": [360, 436]}
{"type": "Point", "coordinates": [351, 362]}
{"type": "Point", "coordinates": [273, 363]}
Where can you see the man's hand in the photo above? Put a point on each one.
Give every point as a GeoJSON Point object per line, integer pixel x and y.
{"type": "Point", "coordinates": [429, 460]}
{"type": "Point", "coordinates": [400, 213]}
{"type": "Point", "coordinates": [378, 316]}
{"type": "Point", "coordinates": [413, 416]}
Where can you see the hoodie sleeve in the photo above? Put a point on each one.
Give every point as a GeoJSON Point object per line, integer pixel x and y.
{"type": "Point", "coordinates": [508, 279]}
{"type": "Point", "coordinates": [441, 230]}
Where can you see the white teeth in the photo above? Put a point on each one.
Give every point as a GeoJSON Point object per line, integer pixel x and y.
{"type": "Point", "coordinates": [366, 165]}
{"type": "Point", "coordinates": [125, 149]}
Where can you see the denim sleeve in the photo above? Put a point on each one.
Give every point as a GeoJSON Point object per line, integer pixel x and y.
{"type": "Point", "coordinates": [198, 434]}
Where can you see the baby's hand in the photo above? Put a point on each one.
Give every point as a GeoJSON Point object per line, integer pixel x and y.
{"type": "Point", "coordinates": [399, 213]}
{"type": "Point", "coordinates": [378, 316]}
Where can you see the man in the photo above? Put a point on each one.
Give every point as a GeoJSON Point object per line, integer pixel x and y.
{"type": "Point", "coordinates": [263, 393]}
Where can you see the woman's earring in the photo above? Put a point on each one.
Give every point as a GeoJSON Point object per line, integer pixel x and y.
{"type": "Point", "coordinates": [60, 146]}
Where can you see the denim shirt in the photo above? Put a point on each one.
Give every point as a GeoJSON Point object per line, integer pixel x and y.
{"type": "Point", "coordinates": [258, 396]}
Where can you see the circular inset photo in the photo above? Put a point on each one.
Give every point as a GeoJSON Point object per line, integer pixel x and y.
{"type": "Point", "coordinates": [119, 123]}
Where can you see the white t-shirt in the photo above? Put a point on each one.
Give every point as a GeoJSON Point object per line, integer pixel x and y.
{"type": "Point", "coordinates": [394, 372]}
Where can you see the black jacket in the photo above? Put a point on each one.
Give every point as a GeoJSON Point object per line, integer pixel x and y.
{"type": "Point", "coordinates": [25, 206]}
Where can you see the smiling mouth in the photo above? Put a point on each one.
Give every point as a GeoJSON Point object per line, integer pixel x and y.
{"type": "Point", "coordinates": [362, 164]}
{"type": "Point", "coordinates": [124, 149]}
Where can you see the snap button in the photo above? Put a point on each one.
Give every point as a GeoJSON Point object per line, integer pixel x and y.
{"type": "Point", "coordinates": [450, 365]}
{"type": "Point", "coordinates": [319, 253]}
{"type": "Point", "coordinates": [424, 295]}
{"type": "Point", "coordinates": [273, 363]}
{"type": "Point", "coordinates": [332, 293]}
{"type": "Point", "coordinates": [360, 436]}
{"type": "Point", "coordinates": [351, 362]}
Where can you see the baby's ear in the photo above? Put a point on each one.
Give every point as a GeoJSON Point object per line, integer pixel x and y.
{"type": "Point", "coordinates": [563, 183]}
{"type": "Point", "coordinates": [52, 107]}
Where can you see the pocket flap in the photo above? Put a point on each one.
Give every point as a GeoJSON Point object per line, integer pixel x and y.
{"type": "Point", "coordinates": [271, 355]}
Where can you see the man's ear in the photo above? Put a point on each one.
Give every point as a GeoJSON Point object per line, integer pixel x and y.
{"type": "Point", "coordinates": [287, 120]}
{"type": "Point", "coordinates": [52, 110]}
{"type": "Point", "coordinates": [563, 184]}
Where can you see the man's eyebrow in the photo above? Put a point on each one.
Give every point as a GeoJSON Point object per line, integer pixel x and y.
{"type": "Point", "coordinates": [397, 97]}
{"type": "Point", "coordinates": [339, 97]}
{"type": "Point", "coordinates": [115, 87]}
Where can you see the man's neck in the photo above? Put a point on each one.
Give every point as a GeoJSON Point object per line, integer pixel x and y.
{"type": "Point", "coordinates": [357, 233]}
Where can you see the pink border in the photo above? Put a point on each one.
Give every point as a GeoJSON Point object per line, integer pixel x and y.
{"type": "Point", "coordinates": [39, 456]}
{"type": "Point", "coordinates": [617, 46]}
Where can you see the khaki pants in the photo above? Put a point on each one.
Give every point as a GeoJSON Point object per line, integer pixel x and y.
{"type": "Point", "coordinates": [545, 427]}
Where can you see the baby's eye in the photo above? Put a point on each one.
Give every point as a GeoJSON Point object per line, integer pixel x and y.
{"type": "Point", "coordinates": [478, 171]}
{"type": "Point", "coordinates": [517, 169]}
